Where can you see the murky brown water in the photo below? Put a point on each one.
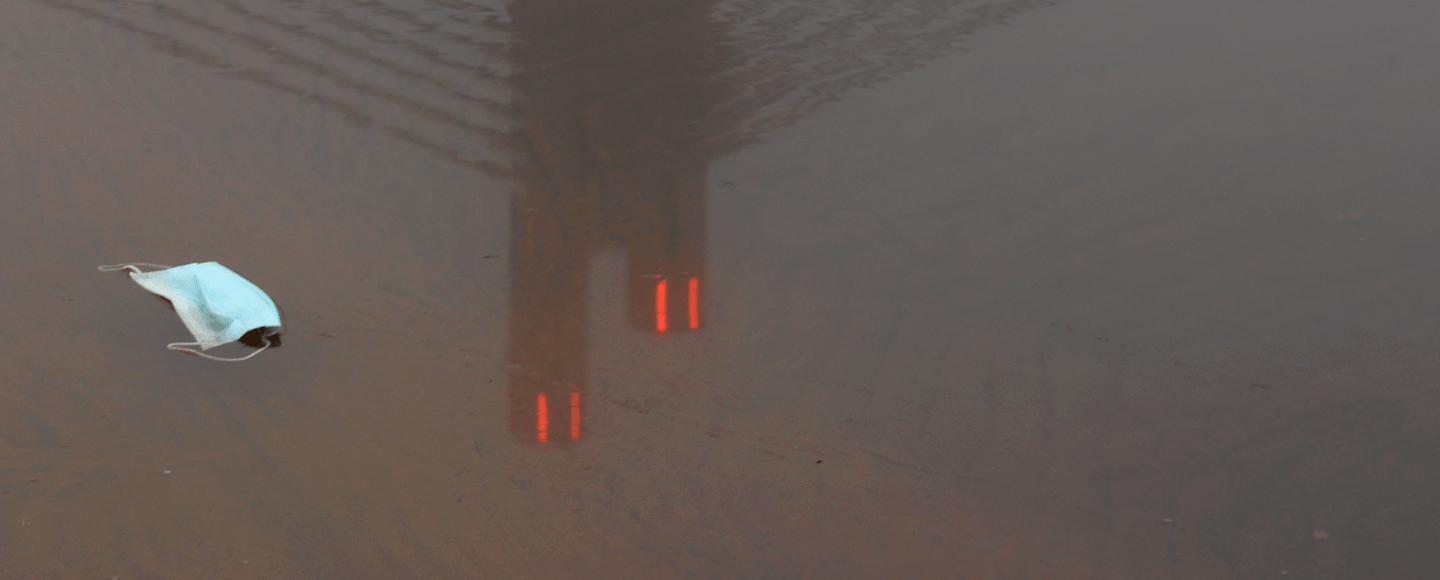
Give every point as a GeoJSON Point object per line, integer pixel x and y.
{"type": "Point", "coordinates": [838, 289]}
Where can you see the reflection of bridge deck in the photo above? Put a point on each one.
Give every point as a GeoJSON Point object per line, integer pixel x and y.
{"type": "Point", "coordinates": [436, 73]}
{"type": "Point", "coordinates": [426, 74]}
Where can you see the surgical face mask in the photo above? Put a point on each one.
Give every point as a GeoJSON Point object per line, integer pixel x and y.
{"type": "Point", "coordinates": [216, 305]}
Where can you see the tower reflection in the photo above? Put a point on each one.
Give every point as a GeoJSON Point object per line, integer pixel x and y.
{"type": "Point", "coordinates": [615, 104]}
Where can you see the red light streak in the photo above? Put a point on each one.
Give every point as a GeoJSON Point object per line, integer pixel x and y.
{"type": "Point", "coordinates": [694, 303]}
{"type": "Point", "coordinates": [575, 416]}
{"type": "Point", "coordinates": [542, 419]}
{"type": "Point", "coordinates": [660, 323]}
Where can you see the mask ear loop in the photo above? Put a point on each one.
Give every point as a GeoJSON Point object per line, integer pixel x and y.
{"type": "Point", "coordinates": [130, 266]}
{"type": "Point", "coordinates": [177, 345]}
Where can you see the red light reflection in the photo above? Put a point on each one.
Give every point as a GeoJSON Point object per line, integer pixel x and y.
{"type": "Point", "coordinates": [575, 415]}
{"type": "Point", "coordinates": [694, 303]}
{"type": "Point", "coordinates": [542, 419]}
{"type": "Point", "coordinates": [661, 324]}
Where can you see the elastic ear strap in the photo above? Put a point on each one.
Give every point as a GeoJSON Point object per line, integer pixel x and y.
{"type": "Point", "coordinates": [130, 266]}
{"type": "Point", "coordinates": [176, 345]}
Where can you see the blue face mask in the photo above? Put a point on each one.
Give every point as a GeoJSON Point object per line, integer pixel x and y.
{"type": "Point", "coordinates": [215, 303]}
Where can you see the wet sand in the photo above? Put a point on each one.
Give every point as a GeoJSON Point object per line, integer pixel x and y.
{"type": "Point", "coordinates": [992, 289]}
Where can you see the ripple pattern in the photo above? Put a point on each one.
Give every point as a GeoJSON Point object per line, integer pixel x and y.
{"type": "Point", "coordinates": [424, 71]}
{"type": "Point", "coordinates": [789, 57]}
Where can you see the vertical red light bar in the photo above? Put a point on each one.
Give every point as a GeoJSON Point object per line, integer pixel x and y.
{"type": "Point", "coordinates": [694, 303]}
{"type": "Point", "coordinates": [542, 419]}
{"type": "Point", "coordinates": [575, 416]}
{"type": "Point", "coordinates": [661, 324]}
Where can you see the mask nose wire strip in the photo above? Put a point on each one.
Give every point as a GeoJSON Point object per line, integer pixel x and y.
{"type": "Point", "coordinates": [177, 345]}
{"type": "Point", "coordinates": [130, 266]}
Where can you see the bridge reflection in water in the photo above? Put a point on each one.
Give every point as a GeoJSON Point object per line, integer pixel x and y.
{"type": "Point", "coordinates": [609, 114]}
{"type": "Point", "coordinates": [620, 108]}
{"type": "Point", "coordinates": [613, 119]}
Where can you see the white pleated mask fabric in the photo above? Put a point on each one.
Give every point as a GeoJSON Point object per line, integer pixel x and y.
{"type": "Point", "coordinates": [217, 305]}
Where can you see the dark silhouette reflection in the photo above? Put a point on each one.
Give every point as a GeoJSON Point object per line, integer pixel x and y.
{"type": "Point", "coordinates": [621, 106]}
{"type": "Point", "coordinates": [614, 113]}
{"type": "Point", "coordinates": [257, 338]}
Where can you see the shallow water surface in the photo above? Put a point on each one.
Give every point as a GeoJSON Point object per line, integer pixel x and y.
{"type": "Point", "coordinates": [726, 289]}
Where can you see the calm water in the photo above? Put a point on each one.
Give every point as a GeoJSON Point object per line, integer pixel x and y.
{"type": "Point", "coordinates": [726, 289]}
